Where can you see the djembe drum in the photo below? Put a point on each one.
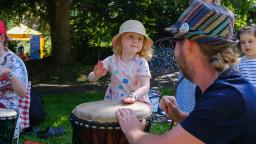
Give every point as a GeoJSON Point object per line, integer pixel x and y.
{"type": "Point", "coordinates": [96, 122]}
{"type": "Point", "coordinates": [8, 120]}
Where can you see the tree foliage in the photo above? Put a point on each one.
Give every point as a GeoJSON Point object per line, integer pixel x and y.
{"type": "Point", "coordinates": [243, 9]}
{"type": "Point", "coordinates": [98, 21]}
{"type": "Point", "coordinates": [29, 12]}
{"type": "Point", "coordinates": [93, 23]}
{"type": "Point", "coordinates": [101, 19]}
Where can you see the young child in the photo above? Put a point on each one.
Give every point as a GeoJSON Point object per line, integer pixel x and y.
{"type": "Point", "coordinates": [247, 45]}
{"type": "Point", "coordinates": [130, 75]}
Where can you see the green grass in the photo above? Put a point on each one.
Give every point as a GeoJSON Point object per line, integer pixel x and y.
{"type": "Point", "coordinates": [167, 91]}
{"type": "Point", "coordinates": [159, 128]}
{"type": "Point", "coordinates": [59, 107]}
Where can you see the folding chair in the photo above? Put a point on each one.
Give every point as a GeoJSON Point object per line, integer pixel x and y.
{"type": "Point", "coordinates": [25, 105]}
{"type": "Point", "coordinates": [162, 64]}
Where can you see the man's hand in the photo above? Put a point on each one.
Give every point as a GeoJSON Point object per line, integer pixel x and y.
{"type": "Point", "coordinates": [169, 105]}
{"type": "Point", "coordinates": [129, 122]}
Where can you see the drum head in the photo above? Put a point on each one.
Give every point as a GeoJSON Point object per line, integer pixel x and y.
{"type": "Point", "coordinates": [7, 113]}
{"type": "Point", "coordinates": [104, 111]}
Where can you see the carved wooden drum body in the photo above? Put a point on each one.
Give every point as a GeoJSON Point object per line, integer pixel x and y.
{"type": "Point", "coordinates": [8, 120]}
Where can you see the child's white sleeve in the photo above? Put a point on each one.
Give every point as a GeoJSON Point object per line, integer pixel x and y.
{"type": "Point", "coordinates": [92, 77]}
{"type": "Point", "coordinates": [144, 68]}
{"type": "Point", "coordinates": [107, 63]}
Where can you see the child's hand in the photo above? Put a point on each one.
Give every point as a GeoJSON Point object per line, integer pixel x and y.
{"type": "Point", "coordinates": [4, 70]}
{"type": "Point", "coordinates": [99, 70]}
{"type": "Point", "coordinates": [129, 100]}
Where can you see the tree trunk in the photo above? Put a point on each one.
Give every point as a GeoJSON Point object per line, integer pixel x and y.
{"type": "Point", "coordinates": [58, 13]}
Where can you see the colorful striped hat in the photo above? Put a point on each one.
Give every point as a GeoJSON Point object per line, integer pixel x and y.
{"type": "Point", "coordinates": [205, 23]}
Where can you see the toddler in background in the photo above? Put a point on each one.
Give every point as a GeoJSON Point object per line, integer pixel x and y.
{"type": "Point", "coordinates": [247, 44]}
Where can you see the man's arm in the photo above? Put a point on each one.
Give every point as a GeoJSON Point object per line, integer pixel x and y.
{"type": "Point", "coordinates": [132, 128]}
{"type": "Point", "coordinates": [177, 135]}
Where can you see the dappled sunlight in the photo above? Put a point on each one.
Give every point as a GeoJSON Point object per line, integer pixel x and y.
{"type": "Point", "coordinates": [60, 121]}
{"type": "Point", "coordinates": [164, 81]}
{"type": "Point", "coordinates": [52, 85]}
{"type": "Point", "coordinates": [82, 78]}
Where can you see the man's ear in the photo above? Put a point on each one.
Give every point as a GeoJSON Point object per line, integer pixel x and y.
{"type": "Point", "coordinates": [190, 47]}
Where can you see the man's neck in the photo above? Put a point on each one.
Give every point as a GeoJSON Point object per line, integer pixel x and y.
{"type": "Point", "coordinates": [205, 77]}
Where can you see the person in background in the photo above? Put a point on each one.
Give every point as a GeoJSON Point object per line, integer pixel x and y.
{"type": "Point", "coordinates": [247, 44]}
{"type": "Point", "coordinates": [225, 109]}
{"type": "Point", "coordinates": [21, 51]}
{"type": "Point", "coordinates": [13, 77]}
{"type": "Point", "coordinates": [128, 66]}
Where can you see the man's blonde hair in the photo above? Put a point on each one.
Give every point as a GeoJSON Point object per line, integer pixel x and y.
{"type": "Point", "coordinates": [218, 57]}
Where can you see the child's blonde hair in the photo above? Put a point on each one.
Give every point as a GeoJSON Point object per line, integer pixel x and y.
{"type": "Point", "coordinates": [145, 52]}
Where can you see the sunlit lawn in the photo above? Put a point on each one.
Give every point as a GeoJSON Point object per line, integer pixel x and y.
{"type": "Point", "coordinates": [59, 107]}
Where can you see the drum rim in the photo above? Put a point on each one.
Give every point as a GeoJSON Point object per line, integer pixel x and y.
{"type": "Point", "coordinates": [93, 124]}
{"type": "Point", "coordinates": [9, 117]}
{"type": "Point", "coordinates": [143, 111]}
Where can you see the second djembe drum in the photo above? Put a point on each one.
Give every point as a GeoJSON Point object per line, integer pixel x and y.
{"type": "Point", "coordinates": [8, 120]}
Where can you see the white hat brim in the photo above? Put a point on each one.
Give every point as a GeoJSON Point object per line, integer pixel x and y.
{"type": "Point", "coordinates": [148, 40]}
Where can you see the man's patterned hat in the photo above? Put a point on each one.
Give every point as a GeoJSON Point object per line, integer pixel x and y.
{"type": "Point", "coordinates": [205, 23]}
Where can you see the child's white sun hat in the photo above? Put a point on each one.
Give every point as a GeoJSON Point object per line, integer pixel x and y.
{"type": "Point", "coordinates": [133, 26]}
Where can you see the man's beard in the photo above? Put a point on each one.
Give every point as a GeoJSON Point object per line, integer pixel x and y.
{"type": "Point", "coordinates": [184, 68]}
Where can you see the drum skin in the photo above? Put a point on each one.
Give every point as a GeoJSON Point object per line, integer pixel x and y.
{"type": "Point", "coordinates": [96, 123]}
{"type": "Point", "coordinates": [8, 120]}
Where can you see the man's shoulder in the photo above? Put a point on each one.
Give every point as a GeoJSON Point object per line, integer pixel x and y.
{"type": "Point", "coordinates": [222, 96]}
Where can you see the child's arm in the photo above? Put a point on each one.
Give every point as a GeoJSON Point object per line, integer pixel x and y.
{"type": "Point", "coordinates": [145, 85]}
{"type": "Point", "coordinates": [17, 84]}
{"type": "Point", "coordinates": [97, 72]}
{"type": "Point", "coordinates": [143, 90]}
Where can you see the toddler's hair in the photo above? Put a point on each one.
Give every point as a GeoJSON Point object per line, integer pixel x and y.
{"type": "Point", "coordinates": [248, 30]}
